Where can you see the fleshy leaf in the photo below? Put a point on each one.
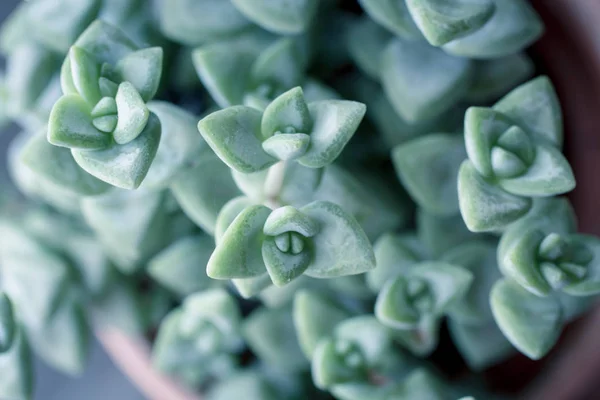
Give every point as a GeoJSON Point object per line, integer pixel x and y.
{"type": "Point", "coordinates": [483, 128]}
{"type": "Point", "coordinates": [366, 41]}
{"type": "Point", "coordinates": [249, 287]}
{"type": "Point", "coordinates": [513, 27]}
{"type": "Point", "coordinates": [422, 81]}
{"type": "Point", "coordinates": [143, 70]}
{"type": "Point", "coordinates": [279, 16]}
{"type": "Point", "coordinates": [16, 381]}
{"type": "Point", "coordinates": [442, 21]}
{"type": "Point", "coordinates": [235, 136]}
{"type": "Point", "coordinates": [280, 64]}
{"type": "Point", "coordinates": [271, 335]}
{"type": "Point", "coordinates": [8, 324]}
{"type": "Point", "coordinates": [393, 307]}
{"type": "Point", "coordinates": [493, 78]}
{"type": "Point", "coordinates": [126, 165]}
{"type": "Point", "coordinates": [334, 124]}
{"type": "Point", "coordinates": [132, 114]}
{"type": "Point", "coordinates": [227, 214]}
{"type": "Point", "coordinates": [181, 267]}
{"type": "Point", "coordinates": [591, 284]}
{"type": "Point", "coordinates": [392, 15]}
{"type": "Point", "coordinates": [531, 323]}
{"type": "Point", "coordinates": [534, 106]}
{"type": "Point", "coordinates": [289, 219]}
{"type": "Point", "coordinates": [85, 73]}
{"type": "Point", "coordinates": [58, 23]}
{"type": "Point", "coordinates": [315, 317]}
{"type": "Point", "coordinates": [287, 146]}
{"type": "Point", "coordinates": [549, 175]}
{"type": "Point", "coordinates": [484, 206]}
{"type": "Point", "coordinates": [428, 168]}
{"type": "Point", "coordinates": [224, 73]}
{"type": "Point", "coordinates": [180, 144]}
{"type": "Point", "coordinates": [283, 267]}
{"type": "Point", "coordinates": [329, 367]}
{"type": "Point", "coordinates": [70, 125]}
{"type": "Point", "coordinates": [288, 113]}
{"type": "Point", "coordinates": [439, 234]}
{"type": "Point", "coordinates": [395, 255]}
{"type": "Point", "coordinates": [192, 22]}
{"type": "Point", "coordinates": [238, 254]}
{"type": "Point", "coordinates": [341, 246]}
{"type": "Point", "coordinates": [58, 166]}
{"type": "Point", "coordinates": [105, 42]}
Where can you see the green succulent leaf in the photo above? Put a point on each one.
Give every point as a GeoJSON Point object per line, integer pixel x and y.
{"type": "Point", "coordinates": [57, 24]}
{"type": "Point", "coordinates": [288, 146]}
{"type": "Point", "coordinates": [235, 135]}
{"type": "Point", "coordinates": [531, 323]}
{"type": "Point", "coordinates": [334, 124]}
{"type": "Point", "coordinates": [8, 324]}
{"type": "Point", "coordinates": [271, 335]}
{"type": "Point", "coordinates": [288, 114]}
{"type": "Point", "coordinates": [366, 41]}
{"type": "Point", "coordinates": [481, 345]}
{"type": "Point", "coordinates": [392, 15]}
{"type": "Point", "coordinates": [485, 206]}
{"type": "Point", "coordinates": [16, 382]}
{"type": "Point", "coordinates": [57, 165]}
{"type": "Point", "coordinates": [345, 248]}
{"type": "Point", "coordinates": [549, 175]}
{"type": "Point", "coordinates": [224, 73]}
{"type": "Point", "coordinates": [441, 234]}
{"type": "Point", "coordinates": [280, 65]}
{"type": "Point", "coordinates": [142, 69]}
{"type": "Point", "coordinates": [105, 42]}
{"type": "Point", "coordinates": [84, 74]}
{"type": "Point", "coordinates": [238, 254]}
{"type": "Point", "coordinates": [181, 267]}
{"type": "Point", "coordinates": [125, 165]}
{"type": "Point", "coordinates": [279, 16]}
{"type": "Point", "coordinates": [250, 384]}
{"type": "Point", "coordinates": [250, 287]}
{"type": "Point", "coordinates": [493, 78]}
{"type": "Point", "coordinates": [64, 339]}
{"type": "Point", "coordinates": [420, 384]}
{"type": "Point", "coordinates": [70, 125]}
{"type": "Point", "coordinates": [329, 367]}
{"type": "Point", "coordinates": [513, 26]}
{"type": "Point", "coordinates": [228, 213]}
{"type": "Point", "coordinates": [433, 187]}
{"type": "Point", "coordinates": [444, 79]}
{"type": "Point", "coordinates": [180, 144]}
{"type": "Point", "coordinates": [192, 22]}
{"type": "Point", "coordinates": [283, 267]}
{"type": "Point", "coordinates": [591, 284]}
{"type": "Point", "coordinates": [534, 106]}
{"type": "Point", "coordinates": [315, 317]}
{"type": "Point", "coordinates": [132, 114]}
{"type": "Point", "coordinates": [201, 195]}
{"type": "Point", "coordinates": [394, 255]}
{"type": "Point", "coordinates": [443, 21]}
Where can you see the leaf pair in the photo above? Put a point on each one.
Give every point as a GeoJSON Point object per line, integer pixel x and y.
{"type": "Point", "coordinates": [319, 239]}
{"type": "Point", "coordinates": [205, 326]}
{"type": "Point", "coordinates": [103, 117]}
{"type": "Point", "coordinates": [514, 155]}
{"type": "Point", "coordinates": [314, 134]}
{"type": "Point", "coordinates": [233, 73]}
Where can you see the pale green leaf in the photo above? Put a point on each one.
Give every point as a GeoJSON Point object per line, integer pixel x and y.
{"type": "Point", "coordinates": [279, 16]}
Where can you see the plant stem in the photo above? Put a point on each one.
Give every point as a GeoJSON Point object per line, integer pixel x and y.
{"type": "Point", "coordinates": [273, 184]}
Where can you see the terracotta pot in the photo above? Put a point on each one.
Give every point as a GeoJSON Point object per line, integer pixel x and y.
{"type": "Point", "coordinates": [569, 53]}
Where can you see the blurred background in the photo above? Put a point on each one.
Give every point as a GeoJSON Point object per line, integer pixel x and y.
{"type": "Point", "coordinates": [101, 380]}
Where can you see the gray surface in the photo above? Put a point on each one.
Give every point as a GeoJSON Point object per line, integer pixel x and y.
{"type": "Point", "coordinates": [101, 380]}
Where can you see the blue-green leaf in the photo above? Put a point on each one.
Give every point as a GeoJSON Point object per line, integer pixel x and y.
{"type": "Point", "coordinates": [513, 27]}
{"type": "Point", "coordinates": [288, 113]}
{"type": "Point", "coordinates": [106, 42]}
{"type": "Point", "coordinates": [16, 381]}
{"type": "Point", "coordinates": [143, 70]}
{"type": "Point", "coordinates": [70, 125]}
{"type": "Point", "coordinates": [392, 15]}
{"type": "Point", "coordinates": [422, 81]}
{"type": "Point", "coordinates": [132, 114]}
{"type": "Point", "coordinates": [334, 124]}
{"type": "Point", "coordinates": [238, 254]}
{"type": "Point", "coordinates": [279, 16]}
{"type": "Point", "coordinates": [428, 168]}
{"type": "Point", "coordinates": [84, 74]}
{"type": "Point", "coordinates": [235, 135]}
{"type": "Point", "coordinates": [341, 246]}
{"type": "Point", "coordinates": [366, 41]}
{"type": "Point", "coordinates": [531, 323]}
{"type": "Point", "coordinates": [485, 206]}
{"type": "Point", "coordinates": [126, 165]}
{"type": "Point", "coordinates": [8, 324]}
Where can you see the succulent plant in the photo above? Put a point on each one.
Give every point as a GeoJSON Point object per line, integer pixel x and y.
{"type": "Point", "coordinates": [289, 198]}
